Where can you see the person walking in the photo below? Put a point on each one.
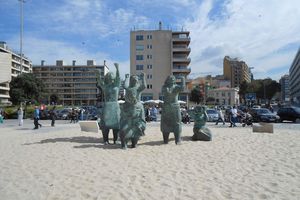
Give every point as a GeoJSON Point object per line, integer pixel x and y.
{"type": "Point", "coordinates": [52, 115]}
{"type": "Point", "coordinates": [1, 117]}
{"type": "Point", "coordinates": [233, 118]}
{"type": "Point", "coordinates": [220, 117]}
{"type": "Point", "coordinates": [36, 118]}
{"type": "Point", "coordinates": [20, 116]}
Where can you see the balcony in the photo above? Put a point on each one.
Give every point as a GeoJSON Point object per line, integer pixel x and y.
{"type": "Point", "coordinates": [181, 49]}
{"type": "Point", "coordinates": [4, 88]}
{"type": "Point", "coordinates": [181, 40]}
{"type": "Point", "coordinates": [181, 59]}
{"type": "Point", "coordinates": [181, 70]}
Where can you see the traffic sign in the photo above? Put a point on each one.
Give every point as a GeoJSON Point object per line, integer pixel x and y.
{"type": "Point", "coordinates": [250, 96]}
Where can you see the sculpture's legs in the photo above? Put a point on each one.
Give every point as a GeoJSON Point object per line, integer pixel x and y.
{"type": "Point", "coordinates": [105, 132]}
{"type": "Point", "coordinates": [134, 142]}
{"type": "Point", "coordinates": [166, 137]}
{"type": "Point", "coordinates": [177, 135]}
{"type": "Point", "coordinates": [122, 138]}
{"type": "Point", "coordinates": [115, 133]}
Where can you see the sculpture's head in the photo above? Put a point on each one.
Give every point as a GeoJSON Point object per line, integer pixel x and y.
{"type": "Point", "coordinates": [170, 80]}
{"type": "Point", "coordinates": [134, 80]}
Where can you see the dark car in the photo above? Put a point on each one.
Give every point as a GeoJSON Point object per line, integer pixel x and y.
{"type": "Point", "coordinates": [263, 115]}
{"type": "Point", "coordinates": [289, 113]}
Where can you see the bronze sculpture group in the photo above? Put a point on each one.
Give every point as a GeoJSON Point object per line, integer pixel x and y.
{"type": "Point", "coordinates": [127, 120]}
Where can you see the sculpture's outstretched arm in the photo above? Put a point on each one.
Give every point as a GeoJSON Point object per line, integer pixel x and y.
{"type": "Point", "coordinates": [143, 85]}
{"type": "Point", "coordinates": [118, 79]}
{"type": "Point", "coordinates": [126, 82]}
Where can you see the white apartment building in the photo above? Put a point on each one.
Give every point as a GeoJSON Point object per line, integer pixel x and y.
{"type": "Point", "coordinates": [73, 84]}
{"type": "Point", "coordinates": [10, 66]}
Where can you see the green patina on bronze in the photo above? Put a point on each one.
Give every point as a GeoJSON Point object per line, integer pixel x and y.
{"type": "Point", "coordinates": [201, 132]}
{"type": "Point", "coordinates": [132, 124]}
{"type": "Point", "coordinates": [110, 116]}
{"type": "Point", "coordinates": [170, 115]}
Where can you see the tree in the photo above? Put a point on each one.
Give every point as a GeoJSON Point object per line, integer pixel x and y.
{"type": "Point", "coordinates": [196, 95]}
{"type": "Point", "coordinates": [25, 87]}
{"type": "Point", "coordinates": [244, 89]}
{"type": "Point", "coordinates": [54, 98]}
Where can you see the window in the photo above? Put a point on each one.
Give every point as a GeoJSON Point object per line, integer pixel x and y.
{"type": "Point", "coordinates": [149, 86]}
{"type": "Point", "coordinates": [139, 57]}
{"type": "Point", "coordinates": [149, 46]}
{"type": "Point", "coordinates": [149, 66]}
{"type": "Point", "coordinates": [149, 37]}
{"type": "Point", "coordinates": [149, 76]}
{"type": "Point", "coordinates": [149, 56]}
{"type": "Point", "coordinates": [139, 47]}
{"type": "Point", "coordinates": [139, 37]}
{"type": "Point", "coordinates": [139, 67]}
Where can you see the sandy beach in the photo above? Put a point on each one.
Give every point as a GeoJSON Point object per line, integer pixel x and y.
{"type": "Point", "coordinates": [65, 163]}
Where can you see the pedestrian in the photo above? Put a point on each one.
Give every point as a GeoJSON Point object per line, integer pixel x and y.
{"type": "Point", "coordinates": [36, 118]}
{"type": "Point", "coordinates": [233, 118]}
{"type": "Point", "coordinates": [20, 116]}
{"type": "Point", "coordinates": [220, 116]}
{"type": "Point", "coordinates": [73, 116]}
{"type": "Point", "coordinates": [1, 117]}
{"type": "Point", "coordinates": [52, 115]}
{"type": "Point", "coordinates": [154, 113]}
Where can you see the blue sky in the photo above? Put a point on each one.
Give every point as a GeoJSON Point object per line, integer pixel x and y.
{"type": "Point", "coordinates": [265, 34]}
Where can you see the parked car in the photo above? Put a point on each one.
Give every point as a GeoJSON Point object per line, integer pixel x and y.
{"type": "Point", "coordinates": [289, 113]}
{"type": "Point", "coordinates": [63, 114]}
{"type": "Point", "coordinates": [263, 115]}
{"type": "Point", "coordinates": [212, 115]}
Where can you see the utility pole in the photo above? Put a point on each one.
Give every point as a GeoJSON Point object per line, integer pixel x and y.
{"type": "Point", "coordinates": [21, 34]}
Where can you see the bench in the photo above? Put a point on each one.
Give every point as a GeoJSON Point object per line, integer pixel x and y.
{"type": "Point", "coordinates": [263, 128]}
{"type": "Point", "coordinates": [89, 126]}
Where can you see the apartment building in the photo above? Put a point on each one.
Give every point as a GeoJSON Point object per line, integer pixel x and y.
{"type": "Point", "coordinates": [236, 71]}
{"type": "Point", "coordinates": [294, 81]}
{"type": "Point", "coordinates": [285, 88]}
{"type": "Point", "coordinates": [158, 54]}
{"type": "Point", "coordinates": [73, 84]}
{"type": "Point", "coordinates": [10, 66]}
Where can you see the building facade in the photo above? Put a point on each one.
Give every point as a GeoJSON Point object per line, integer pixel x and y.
{"type": "Point", "coordinates": [73, 84]}
{"type": "Point", "coordinates": [285, 88]}
{"type": "Point", "coordinates": [294, 81]}
{"type": "Point", "coordinates": [225, 96]}
{"type": "Point", "coordinates": [236, 71]}
{"type": "Point", "coordinates": [158, 54]}
{"type": "Point", "coordinates": [10, 66]}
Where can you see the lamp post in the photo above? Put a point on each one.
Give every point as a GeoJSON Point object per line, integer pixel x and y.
{"type": "Point", "coordinates": [21, 34]}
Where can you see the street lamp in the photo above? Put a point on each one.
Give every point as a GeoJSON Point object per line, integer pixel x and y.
{"type": "Point", "coordinates": [21, 34]}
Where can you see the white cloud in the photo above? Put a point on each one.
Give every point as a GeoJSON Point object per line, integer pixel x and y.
{"type": "Point", "coordinates": [87, 17]}
{"type": "Point", "coordinates": [52, 50]}
{"type": "Point", "coordinates": [251, 30]}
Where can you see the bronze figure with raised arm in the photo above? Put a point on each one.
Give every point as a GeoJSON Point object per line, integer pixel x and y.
{"type": "Point", "coordinates": [110, 116]}
{"type": "Point", "coordinates": [170, 115]}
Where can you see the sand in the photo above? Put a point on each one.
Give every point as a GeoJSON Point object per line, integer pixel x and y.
{"type": "Point", "coordinates": [65, 163]}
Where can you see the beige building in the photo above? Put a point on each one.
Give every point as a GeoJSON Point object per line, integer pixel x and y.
{"type": "Point", "coordinates": [73, 84]}
{"type": "Point", "coordinates": [225, 96]}
{"type": "Point", "coordinates": [236, 71]}
{"type": "Point", "coordinates": [10, 66]}
{"type": "Point", "coordinates": [158, 54]}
